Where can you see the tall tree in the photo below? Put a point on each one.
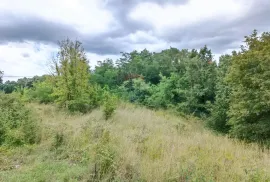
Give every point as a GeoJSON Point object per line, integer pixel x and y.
{"type": "Point", "coordinates": [219, 110]}
{"type": "Point", "coordinates": [250, 99]}
{"type": "Point", "coordinates": [71, 71]}
{"type": "Point", "coordinates": [105, 74]}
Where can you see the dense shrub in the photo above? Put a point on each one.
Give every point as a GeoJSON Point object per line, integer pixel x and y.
{"type": "Point", "coordinates": [160, 95]}
{"type": "Point", "coordinates": [135, 90]}
{"type": "Point", "coordinates": [41, 92]}
{"type": "Point", "coordinates": [86, 102]}
{"type": "Point", "coordinates": [109, 104]}
{"type": "Point", "coordinates": [17, 125]}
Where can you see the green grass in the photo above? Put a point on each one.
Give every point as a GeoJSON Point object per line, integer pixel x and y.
{"type": "Point", "coordinates": [136, 144]}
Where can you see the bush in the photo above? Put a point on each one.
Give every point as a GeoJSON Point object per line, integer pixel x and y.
{"type": "Point", "coordinates": [135, 90]}
{"type": "Point", "coordinates": [105, 161]}
{"type": "Point", "coordinates": [80, 105]}
{"type": "Point", "coordinates": [41, 92]}
{"type": "Point", "coordinates": [109, 104]}
{"type": "Point", "coordinates": [17, 126]}
{"type": "Point", "coordinates": [87, 101]}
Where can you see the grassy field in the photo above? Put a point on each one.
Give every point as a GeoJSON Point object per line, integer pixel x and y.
{"type": "Point", "coordinates": [137, 144]}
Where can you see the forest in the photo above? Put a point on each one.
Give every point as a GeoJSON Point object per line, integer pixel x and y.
{"type": "Point", "coordinates": [218, 101]}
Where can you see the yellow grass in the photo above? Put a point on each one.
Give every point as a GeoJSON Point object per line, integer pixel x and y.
{"type": "Point", "coordinates": [137, 144]}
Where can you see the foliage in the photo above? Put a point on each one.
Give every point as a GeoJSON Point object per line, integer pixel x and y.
{"type": "Point", "coordinates": [218, 119]}
{"type": "Point", "coordinates": [41, 92]}
{"type": "Point", "coordinates": [71, 72]}
{"type": "Point", "coordinates": [8, 87]}
{"type": "Point", "coordinates": [232, 96]}
{"type": "Point", "coordinates": [17, 125]}
{"type": "Point", "coordinates": [109, 104]}
{"type": "Point", "coordinates": [248, 78]}
{"type": "Point", "coordinates": [159, 94]}
{"type": "Point", "coordinates": [135, 90]}
{"type": "Point", "coordinates": [105, 74]}
{"type": "Point", "coordinates": [184, 79]}
{"type": "Point", "coordinates": [19, 85]}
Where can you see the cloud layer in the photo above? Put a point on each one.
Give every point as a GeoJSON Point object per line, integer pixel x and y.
{"type": "Point", "coordinates": [108, 27]}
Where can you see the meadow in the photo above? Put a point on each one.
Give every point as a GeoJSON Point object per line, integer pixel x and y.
{"type": "Point", "coordinates": [135, 144]}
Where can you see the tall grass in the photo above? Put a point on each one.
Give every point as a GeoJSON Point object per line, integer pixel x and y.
{"type": "Point", "coordinates": [136, 144]}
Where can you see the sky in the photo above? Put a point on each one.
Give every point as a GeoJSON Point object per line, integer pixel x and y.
{"type": "Point", "coordinates": [30, 29]}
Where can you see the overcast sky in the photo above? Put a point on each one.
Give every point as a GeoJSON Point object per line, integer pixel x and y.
{"type": "Point", "coordinates": [29, 29]}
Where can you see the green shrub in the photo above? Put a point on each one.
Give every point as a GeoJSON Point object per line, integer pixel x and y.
{"type": "Point", "coordinates": [80, 105]}
{"type": "Point", "coordinates": [109, 104]}
{"type": "Point", "coordinates": [87, 101]}
{"type": "Point", "coordinates": [41, 92]}
{"type": "Point", "coordinates": [17, 125]}
{"type": "Point", "coordinates": [58, 140]}
{"type": "Point", "coordinates": [135, 90]}
{"type": "Point", "coordinates": [105, 161]}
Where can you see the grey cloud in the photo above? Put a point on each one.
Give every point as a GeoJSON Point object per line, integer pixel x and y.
{"type": "Point", "coordinates": [121, 9]}
{"type": "Point", "coordinates": [216, 33]}
{"type": "Point", "coordinates": [25, 55]}
{"type": "Point", "coordinates": [20, 28]}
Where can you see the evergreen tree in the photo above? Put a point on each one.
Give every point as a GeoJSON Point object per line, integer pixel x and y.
{"type": "Point", "coordinates": [219, 116]}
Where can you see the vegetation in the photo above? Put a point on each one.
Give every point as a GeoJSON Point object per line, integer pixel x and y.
{"type": "Point", "coordinates": [17, 125]}
{"type": "Point", "coordinates": [85, 135]}
{"type": "Point", "coordinates": [248, 78]}
{"type": "Point", "coordinates": [109, 104]}
{"type": "Point", "coordinates": [138, 145]}
{"type": "Point", "coordinates": [41, 92]}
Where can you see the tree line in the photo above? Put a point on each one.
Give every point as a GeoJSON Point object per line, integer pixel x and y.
{"type": "Point", "coordinates": [232, 94]}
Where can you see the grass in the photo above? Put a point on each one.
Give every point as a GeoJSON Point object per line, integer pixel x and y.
{"type": "Point", "coordinates": [136, 144]}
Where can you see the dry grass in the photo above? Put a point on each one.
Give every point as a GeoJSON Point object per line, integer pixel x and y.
{"type": "Point", "coordinates": [135, 145]}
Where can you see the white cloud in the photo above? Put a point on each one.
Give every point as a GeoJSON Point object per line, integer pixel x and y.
{"type": "Point", "coordinates": [154, 47]}
{"type": "Point", "coordinates": [172, 16]}
{"type": "Point", "coordinates": [94, 58]}
{"type": "Point", "coordinates": [140, 36]}
{"type": "Point", "coordinates": [13, 63]}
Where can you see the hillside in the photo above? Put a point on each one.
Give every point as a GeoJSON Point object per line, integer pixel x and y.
{"type": "Point", "coordinates": [136, 144]}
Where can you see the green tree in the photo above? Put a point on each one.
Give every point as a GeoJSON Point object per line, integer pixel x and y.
{"type": "Point", "coordinates": [71, 72]}
{"type": "Point", "coordinates": [105, 74]}
{"type": "Point", "coordinates": [9, 87]}
{"type": "Point", "coordinates": [219, 110]}
{"type": "Point", "coordinates": [248, 78]}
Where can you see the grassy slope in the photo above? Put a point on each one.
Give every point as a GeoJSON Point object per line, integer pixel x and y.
{"type": "Point", "coordinates": [135, 145]}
